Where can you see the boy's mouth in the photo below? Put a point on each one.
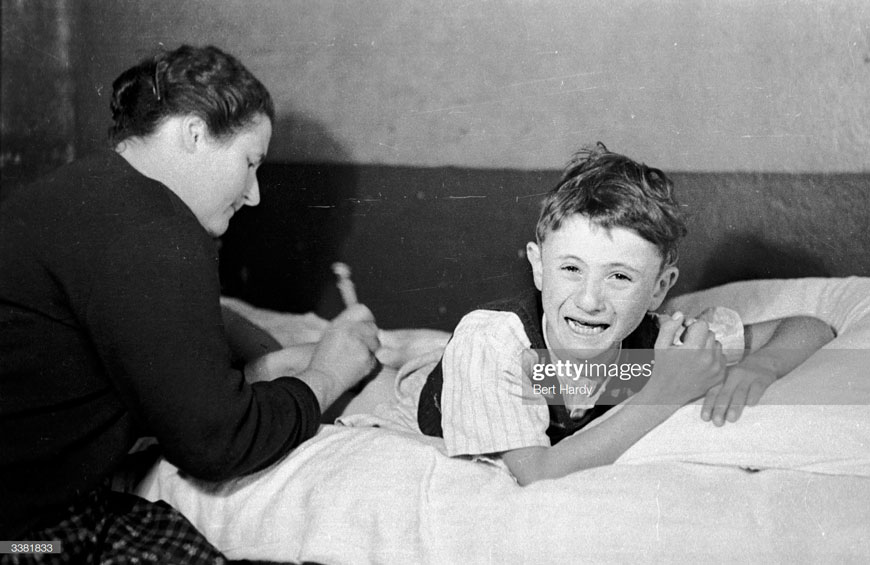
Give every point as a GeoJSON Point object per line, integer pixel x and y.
{"type": "Point", "coordinates": [585, 328]}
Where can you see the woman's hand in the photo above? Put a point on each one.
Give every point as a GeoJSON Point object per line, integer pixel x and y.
{"type": "Point", "coordinates": [344, 355]}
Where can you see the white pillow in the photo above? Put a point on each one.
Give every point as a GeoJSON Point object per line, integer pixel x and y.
{"type": "Point", "coordinates": [816, 419]}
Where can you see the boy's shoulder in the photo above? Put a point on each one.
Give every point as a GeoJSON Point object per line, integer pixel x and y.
{"type": "Point", "coordinates": [499, 327]}
{"type": "Point", "coordinates": [519, 316]}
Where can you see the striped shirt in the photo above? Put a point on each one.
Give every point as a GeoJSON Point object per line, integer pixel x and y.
{"type": "Point", "coordinates": [485, 400]}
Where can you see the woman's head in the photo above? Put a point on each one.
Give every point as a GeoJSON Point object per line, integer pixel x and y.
{"type": "Point", "coordinates": [199, 122]}
{"type": "Point", "coordinates": [198, 81]}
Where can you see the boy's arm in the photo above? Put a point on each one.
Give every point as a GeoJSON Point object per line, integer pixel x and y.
{"type": "Point", "coordinates": [682, 373]}
{"type": "Point", "coordinates": [600, 445]}
{"type": "Point", "coordinates": [775, 348]}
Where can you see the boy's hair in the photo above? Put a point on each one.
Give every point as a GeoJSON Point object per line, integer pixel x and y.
{"type": "Point", "coordinates": [615, 191]}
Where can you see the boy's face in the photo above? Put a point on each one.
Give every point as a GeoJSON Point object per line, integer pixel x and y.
{"type": "Point", "coordinates": [596, 284]}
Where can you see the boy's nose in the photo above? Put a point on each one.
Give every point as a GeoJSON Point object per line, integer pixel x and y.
{"type": "Point", "coordinates": [589, 297]}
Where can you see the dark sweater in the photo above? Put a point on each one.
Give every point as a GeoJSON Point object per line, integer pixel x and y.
{"type": "Point", "coordinates": [110, 329]}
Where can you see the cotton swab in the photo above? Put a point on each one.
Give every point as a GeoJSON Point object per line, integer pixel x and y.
{"type": "Point", "coordinates": [725, 324]}
{"type": "Point", "coordinates": [344, 284]}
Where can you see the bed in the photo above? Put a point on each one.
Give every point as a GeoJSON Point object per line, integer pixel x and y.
{"type": "Point", "coordinates": [789, 482]}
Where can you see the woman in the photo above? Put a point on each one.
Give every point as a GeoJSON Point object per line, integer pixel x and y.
{"type": "Point", "coordinates": [110, 316]}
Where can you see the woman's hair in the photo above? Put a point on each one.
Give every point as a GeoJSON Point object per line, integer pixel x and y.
{"type": "Point", "coordinates": [200, 81]}
{"type": "Point", "coordinates": [615, 191]}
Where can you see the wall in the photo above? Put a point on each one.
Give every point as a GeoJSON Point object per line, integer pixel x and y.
{"type": "Point", "coordinates": [688, 85]}
{"type": "Point", "coordinates": [37, 117]}
{"type": "Point", "coordinates": [414, 137]}
{"type": "Point", "coordinates": [423, 257]}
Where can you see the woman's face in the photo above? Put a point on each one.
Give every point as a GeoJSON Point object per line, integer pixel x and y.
{"type": "Point", "coordinates": [226, 175]}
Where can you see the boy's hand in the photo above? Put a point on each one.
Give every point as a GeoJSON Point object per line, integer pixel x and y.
{"type": "Point", "coordinates": [400, 346]}
{"type": "Point", "coordinates": [742, 387]}
{"type": "Point", "coordinates": [684, 372]}
{"type": "Point", "coordinates": [778, 346]}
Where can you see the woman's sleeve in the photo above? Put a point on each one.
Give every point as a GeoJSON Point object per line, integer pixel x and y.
{"type": "Point", "coordinates": [154, 314]}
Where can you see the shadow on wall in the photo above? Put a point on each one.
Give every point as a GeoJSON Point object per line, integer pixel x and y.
{"type": "Point", "coordinates": [277, 255]}
{"type": "Point", "coordinates": [747, 257]}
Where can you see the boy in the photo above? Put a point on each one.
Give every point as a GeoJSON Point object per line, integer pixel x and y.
{"type": "Point", "coordinates": [604, 260]}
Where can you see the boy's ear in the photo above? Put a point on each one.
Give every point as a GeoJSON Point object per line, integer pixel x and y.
{"type": "Point", "coordinates": [533, 254]}
{"type": "Point", "coordinates": [664, 283]}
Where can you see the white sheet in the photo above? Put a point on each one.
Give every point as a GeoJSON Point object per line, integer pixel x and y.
{"type": "Point", "coordinates": [368, 495]}
{"type": "Point", "coordinates": [817, 418]}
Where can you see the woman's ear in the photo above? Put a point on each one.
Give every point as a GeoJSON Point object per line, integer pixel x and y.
{"type": "Point", "coordinates": [666, 280]}
{"type": "Point", "coordinates": [533, 254]}
{"type": "Point", "coordinates": [193, 132]}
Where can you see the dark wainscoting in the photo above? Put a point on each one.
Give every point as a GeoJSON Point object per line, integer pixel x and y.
{"type": "Point", "coordinates": [426, 245]}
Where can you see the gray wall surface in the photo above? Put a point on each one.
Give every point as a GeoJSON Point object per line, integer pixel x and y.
{"type": "Point", "coordinates": [688, 85]}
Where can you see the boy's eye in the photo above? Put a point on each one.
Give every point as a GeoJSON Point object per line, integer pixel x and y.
{"type": "Point", "coordinates": [622, 277]}
{"type": "Point", "coordinates": [571, 268]}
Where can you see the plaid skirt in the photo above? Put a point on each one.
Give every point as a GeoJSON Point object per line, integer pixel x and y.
{"type": "Point", "coordinates": [107, 527]}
